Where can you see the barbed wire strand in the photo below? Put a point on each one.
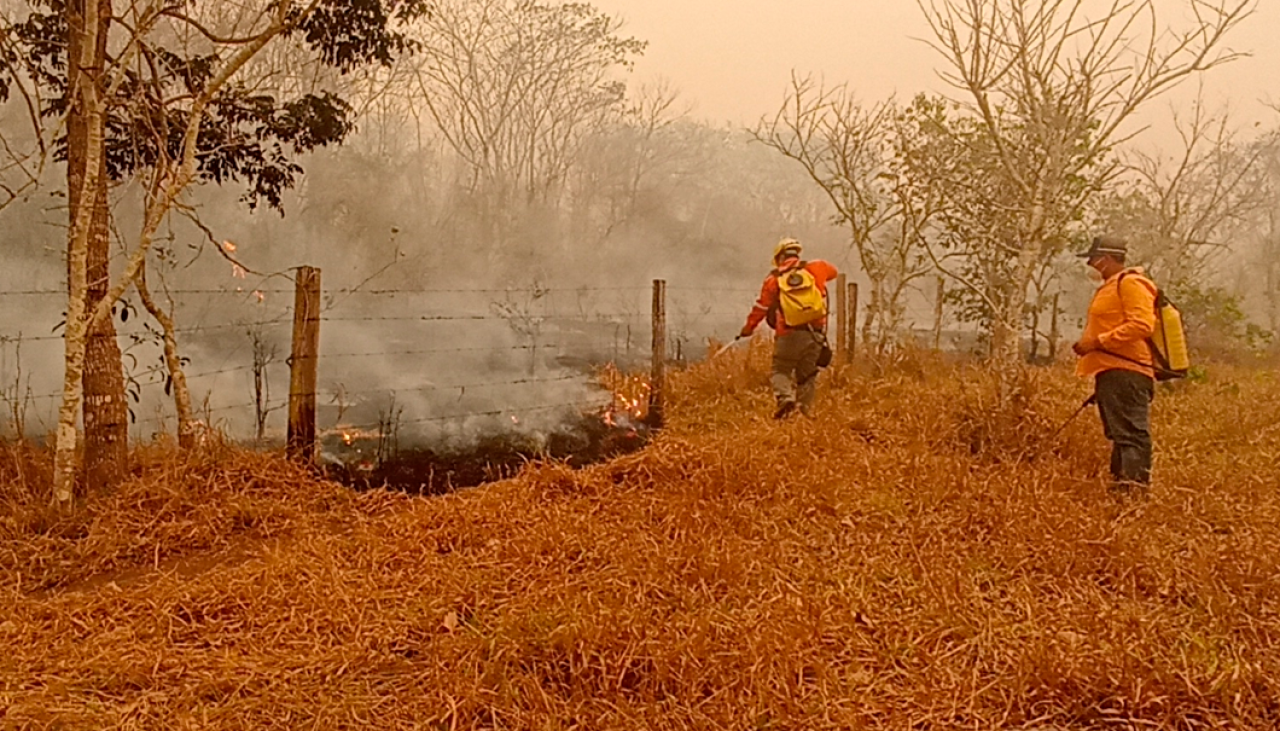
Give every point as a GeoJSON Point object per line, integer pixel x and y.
{"type": "Point", "coordinates": [253, 291]}
{"type": "Point", "coordinates": [513, 412]}
{"type": "Point", "coordinates": [584, 378]}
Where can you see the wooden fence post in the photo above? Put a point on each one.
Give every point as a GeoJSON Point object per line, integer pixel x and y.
{"type": "Point", "coordinates": [938, 313]}
{"type": "Point", "coordinates": [303, 361]}
{"type": "Point", "coordinates": [1054, 333]}
{"type": "Point", "coordinates": [851, 322]}
{"type": "Point", "coordinates": [842, 329]}
{"type": "Point", "coordinates": [658, 377]}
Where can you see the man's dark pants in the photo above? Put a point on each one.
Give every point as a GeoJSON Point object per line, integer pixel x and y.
{"type": "Point", "coordinates": [1124, 403]}
{"type": "Point", "coordinates": [795, 368]}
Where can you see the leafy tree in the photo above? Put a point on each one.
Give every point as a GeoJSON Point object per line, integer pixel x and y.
{"type": "Point", "coordinates": [157, 92]}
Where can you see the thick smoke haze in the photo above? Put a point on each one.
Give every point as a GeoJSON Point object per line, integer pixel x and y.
{"type": "Point", "coordinates": [423, 316]}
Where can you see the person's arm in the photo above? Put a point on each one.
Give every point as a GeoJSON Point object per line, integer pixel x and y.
{"type": "Point", "coordinates": [1139, 303]}
{"type": "Point", "coordinates": [768, 296]}
{"type": "Point", "coordinates": [824, 270]}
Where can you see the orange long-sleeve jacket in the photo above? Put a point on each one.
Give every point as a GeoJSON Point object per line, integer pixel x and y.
{"type": "Point", "coordinates": [822, 272]}
{"type": "Point", "coordinates": [1122, 316]}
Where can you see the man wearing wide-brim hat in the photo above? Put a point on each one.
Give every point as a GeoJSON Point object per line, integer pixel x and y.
{"type": "Point", "coordinates": [1115, 353]}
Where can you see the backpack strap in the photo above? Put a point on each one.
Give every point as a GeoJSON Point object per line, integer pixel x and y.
{"type": "Point", "coordinates": [1159, 363]}
{"type": "Point", "coordinates": [778, 271]}
{"type": "Point", "coordinates": [771, 314]}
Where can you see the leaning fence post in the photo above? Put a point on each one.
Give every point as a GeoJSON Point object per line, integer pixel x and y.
{"type": "Point", "coordinates": [842, 330]}
{"type": "Point", "coordinates": [301, 443]}
{"type": "Point", "coordinates": [658, 378]}
{"type": "Point", "coordinates": [851, 320]}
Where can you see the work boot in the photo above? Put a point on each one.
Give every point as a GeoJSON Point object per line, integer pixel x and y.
{"type": "Point", "coordinates": [1128, 489]}
{"type": "Point", "coordinates": [784, 409]}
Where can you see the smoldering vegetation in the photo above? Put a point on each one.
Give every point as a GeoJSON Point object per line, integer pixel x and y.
{"type": "Point", "coordinates": [463, 293]}
{"type": "Point", "coordinates": [476, 272]}
{"type": "Point", "coordinates": [427, 320]}
{"type": "Point", "coordinates": [433, 345]}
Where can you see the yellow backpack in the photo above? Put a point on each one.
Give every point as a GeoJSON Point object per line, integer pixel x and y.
{"type": "Point", "coordinates": [1168, 342]}
{"type": "Point", "coordinates": [800, 298]}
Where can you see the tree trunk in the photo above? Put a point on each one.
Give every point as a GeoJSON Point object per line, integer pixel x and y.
{"type": "Point", "coordinates": [106, 413]}
{"type": "Point", "coordinates": [1273, 273]}
{"type": "Point", "coordinates": [1055, 333]}
{"type": "Point", "coordinates": [86, 51]}
{"type": "Point", "coordinates": [939, 304]}
{"type": "Point", "coordinates": [1008, 323]}
{"type": "Point", "coordinates": [1005, 336]}
{"type": "Point", "coordinates": [173, 362]}
{"type": "Point", "coordinates": [106, 418]}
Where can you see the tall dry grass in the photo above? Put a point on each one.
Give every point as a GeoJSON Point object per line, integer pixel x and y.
{"type": "Point", "coordinates": [915, 558]}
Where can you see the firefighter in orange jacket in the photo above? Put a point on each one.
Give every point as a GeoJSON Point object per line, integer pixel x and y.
{"type": "Point", "coordinates": [797, 350]}
{"type": "Point", "coordinates": [1114, 351]}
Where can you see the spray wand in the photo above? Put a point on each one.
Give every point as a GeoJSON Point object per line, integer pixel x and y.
{"type": "Point", "coordinates": [726, 346]}
{"type": "Point", "coordinates": [1093, 399]}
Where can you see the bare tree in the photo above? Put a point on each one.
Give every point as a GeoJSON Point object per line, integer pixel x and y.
{"type": "Point", "coordinates": [612, 172]}
{"type": "Point", "coordinates": [1204, 221]}
{"type": "Point", "coordinates": [16, 395]}
{"type": "Point", "coordinates": [264, 354]}
{"type": "Point", "coordinates": [1050, 90]}
{"type": "Point", "coordinates": [523, 312]}
{"type": "Point", "coordinates": [1182, 213]}
{"type": "Point", "coordinates": [847, 150]}
{"type": "Point", "coordinates": [514, 86]}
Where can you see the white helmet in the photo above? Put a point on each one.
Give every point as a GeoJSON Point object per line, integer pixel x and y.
{"type": "Point", "coordinates": [787, 248]}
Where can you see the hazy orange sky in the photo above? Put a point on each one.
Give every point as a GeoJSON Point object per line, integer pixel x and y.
{"type": "Point", "coordinates": [732, 59]}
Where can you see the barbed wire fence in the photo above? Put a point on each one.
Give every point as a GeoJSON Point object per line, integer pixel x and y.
{"type": "Point", "coordinates": [214, 345]}
{"type": "Point", "coordinates": [436, 361]}
{"type": "Point", "coordinates": [430, 363]}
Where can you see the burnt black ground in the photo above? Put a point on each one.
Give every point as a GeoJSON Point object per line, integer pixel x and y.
{"type": "Point", "coordinates": [426, 471]}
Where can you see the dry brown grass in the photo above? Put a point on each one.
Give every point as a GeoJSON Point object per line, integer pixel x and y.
{"type": "Point", "coordinates": [904, 562]}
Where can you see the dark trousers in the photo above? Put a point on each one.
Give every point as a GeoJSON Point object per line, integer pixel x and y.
{"type": "Point", "coordinates": [1124, 403]}
{"type": "Point", "coordinates": [795, 368]}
